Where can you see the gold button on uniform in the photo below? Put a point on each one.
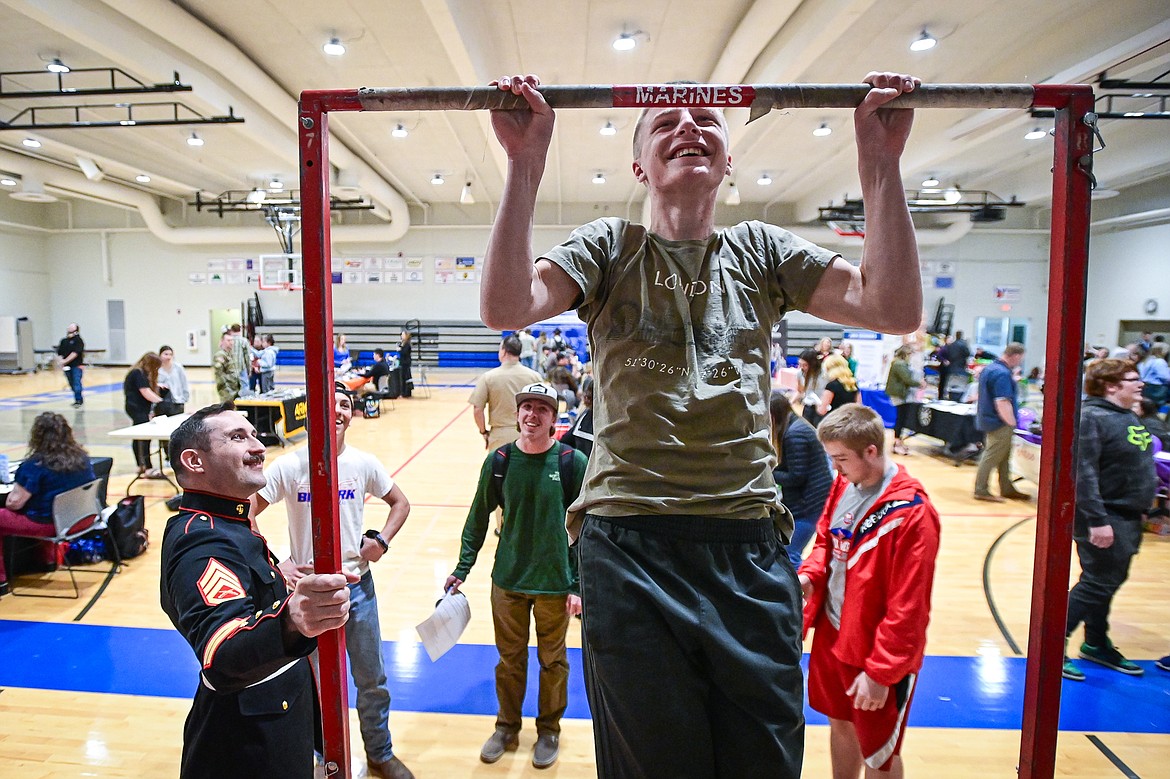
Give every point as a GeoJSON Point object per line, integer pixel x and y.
{"type": "Point", "coordinates": [275, 604]}
{"type": "Point", "coordinates": [284, 705]}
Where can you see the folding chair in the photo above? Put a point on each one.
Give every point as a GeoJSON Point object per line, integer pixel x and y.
{"type": "Point", "coordinates": [382, 392]}
{"type": "Point", "coordinates": [422, 386]}
{"type": "Point", "coordinates": [77, 512]}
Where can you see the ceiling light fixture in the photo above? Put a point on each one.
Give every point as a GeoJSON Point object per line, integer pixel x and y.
{"type": "Point", "coordinates": [599, 178]}
{"type": "Point", "coordinates": [923, 42]}
{"type": "Point", "coordinates": [764, 180]}
{"type": "Point", "coordinates": [732, 195]}
{"type": "Point", "coordinates": [437, 179]}
{"type": "Point", "coordinates": [276, 184]}
{"type": "Point", "coordinates": [930, 181]}
{"type": "Point", "coordinates": [142, 178]}
{"type": "Point", "coordinates": [400, 131]}
{"type": "Point", "coordinates": [823, 130]}
{"type": "Point", "coordinates": [952, 195]}
{"type": "Point", "coordinates": [1035, 134]}
{"type": "Point", "coordinates": [194, 140]}
{"type": "Point", "coordinates": [57, 66]}
{"type": "Point", "coordinates": [627, 40]}
{"type": "Point", "coordinates": [7, 182]}
{"type": "Point", "coordinates": [32, 143]}
{"type": "Point", "coordinates": [465, 196]}
{"type": "Point", "coordinates": [334, 47]}
{"type": "Point", "coordinates": [608, 129]}
{"type": "Point", "coordinates": [257, 196]}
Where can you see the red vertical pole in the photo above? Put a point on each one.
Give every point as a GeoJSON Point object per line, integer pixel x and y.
{"type": "Point", "coordinates": [1056, 500]}
{"type": "Point", "coordinates": [318, 318]}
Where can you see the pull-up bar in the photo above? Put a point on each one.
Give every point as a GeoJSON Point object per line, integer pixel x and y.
{"type": "Point", "coordinates": [1068, 274]}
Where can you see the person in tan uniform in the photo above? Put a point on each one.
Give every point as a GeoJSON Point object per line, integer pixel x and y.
{"type": "Point", "coordinates": [496, 389]}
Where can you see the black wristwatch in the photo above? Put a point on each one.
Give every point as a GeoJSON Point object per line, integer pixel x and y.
{"type": "Point", "coordinates": [374, 534]}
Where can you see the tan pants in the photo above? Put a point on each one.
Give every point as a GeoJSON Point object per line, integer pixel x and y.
{"type": "Point", "coordinates": [997, 456]}
{"type": "Point", "coordinates": [510, 615]}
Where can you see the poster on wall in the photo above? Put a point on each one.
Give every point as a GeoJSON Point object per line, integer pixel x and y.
{"type": "Point", "coordinates": [465, 262]}
{"type": "Point", "coordinates": [444, 277]}
{"type": "Point", "coordinates": [373, 263]}
{"type": "Point", "coordinates": [1007, 294]}
{"type": "Point", "coordinates": [216, 278]}
{"type": "Point", "coordinates": [444, 263]}
{"type": "Point", "coordinates": [236, 264]}
{"type": "Point", "coordinates": [216, 265]}
{"type": "Point", "coordinates": [352, 277]}
{"type": "Point", "coordinates": [466, 277]}
{"type": "Point", "coordinates": [252, 277]}
{"type": "Point", "coordinates": [392, 277]}
{"type": "Point", "coordinates": [374, 277]}
{"type": "Point", "coordinates": [354, 263]}
{"type": "Point", "coordinates": [413, 263]}
{"type": "Point", "coordinates": [870, 356]}
{"type": "Point", "coordinates": [235, 277]}
{"type": "Point", "coordinates": [414, 277]}
{"type": "Point", "coordinates": [192, 340]}
{"type": "Point", "coordinates": [196, 278]}
{"type": "Point", "coordinates": [394, 263]}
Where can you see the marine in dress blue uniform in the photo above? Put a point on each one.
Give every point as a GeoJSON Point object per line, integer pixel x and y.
{"type": "Point", "coordinates": [255, 712]}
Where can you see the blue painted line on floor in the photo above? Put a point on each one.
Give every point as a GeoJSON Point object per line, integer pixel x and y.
{"type": "Point", "coordinates": [955, 692]}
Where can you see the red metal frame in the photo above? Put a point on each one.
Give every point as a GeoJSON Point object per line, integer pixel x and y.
{"type": "Point", "coordinates": [317, 301]}
{"type": "Point", "coordinates": [1068, 274]}
{"type": "Point", "coordinates": [1056, 499]}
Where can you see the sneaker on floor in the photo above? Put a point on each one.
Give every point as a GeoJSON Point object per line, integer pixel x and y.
{"type": "Point", "coordinates": [1164, 663]}
{"type": "Point", "coordinates": [546, 751]}
{"type": "Point", "coordinates": [497, 744]}
{"type": "Point", "coordinates": [1017, 495]}
{"type": "Point", "coordinates": [1071, 672]}
{"type": "Point", "coordinates": [390, 769]}
{"type": "Point", "coordinates": [1109, 657]}
{"type": "Point", "coordinates": [988, 497]}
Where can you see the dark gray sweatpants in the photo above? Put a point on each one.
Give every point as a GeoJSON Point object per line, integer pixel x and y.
{"type": "Point", "coordinates": [692, 648]}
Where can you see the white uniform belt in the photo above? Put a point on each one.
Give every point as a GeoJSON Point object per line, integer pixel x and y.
{"type": "Point", "coordinates": [268, 678]}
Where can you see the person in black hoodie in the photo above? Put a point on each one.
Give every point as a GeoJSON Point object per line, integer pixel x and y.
{"type": "Point", "coordinates": [1115, 488]}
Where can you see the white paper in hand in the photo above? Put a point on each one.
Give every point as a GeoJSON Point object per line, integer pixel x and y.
{"type": "Point", "coordinates": [440, 631]}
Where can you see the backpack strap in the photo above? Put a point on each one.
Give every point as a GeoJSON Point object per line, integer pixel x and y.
{"type": "Point", "coordinates": [500, 459]}
{"type": "Point", "coordinates": [565, 460]}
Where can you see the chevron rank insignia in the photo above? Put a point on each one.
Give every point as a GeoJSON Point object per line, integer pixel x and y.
{"type": "Point", "coordinates": [218, 584]}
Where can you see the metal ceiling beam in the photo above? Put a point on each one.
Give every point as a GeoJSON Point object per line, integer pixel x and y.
{"type": "Point", "coordinates": [136, 87]}
{"type": "Point", "coordinates": [177, 117]}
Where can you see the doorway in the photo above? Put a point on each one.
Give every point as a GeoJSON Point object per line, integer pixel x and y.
{"type": "Point", "coordinates": [221, 319]}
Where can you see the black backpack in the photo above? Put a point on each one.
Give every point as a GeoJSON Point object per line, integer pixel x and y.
{"type": "Point", "coordinates": [502, 456]}
{"type": "Point", "coordinates": [128, 527]}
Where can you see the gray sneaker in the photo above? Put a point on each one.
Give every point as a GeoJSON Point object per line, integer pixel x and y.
{"type": "Point", "coordinates": [546, 751]}
{"type": "Point", "coordinates": [497, 744]}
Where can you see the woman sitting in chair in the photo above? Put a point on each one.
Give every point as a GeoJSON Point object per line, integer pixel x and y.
{"type": "Point", "coordinates": [55, 463]}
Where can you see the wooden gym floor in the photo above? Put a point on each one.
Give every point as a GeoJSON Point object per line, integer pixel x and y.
{"type": "Point", "coordinates": [104, 694]}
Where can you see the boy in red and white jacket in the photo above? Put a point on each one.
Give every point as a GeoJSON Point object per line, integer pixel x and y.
{"type": "Point", "coordinates": [867, 595]}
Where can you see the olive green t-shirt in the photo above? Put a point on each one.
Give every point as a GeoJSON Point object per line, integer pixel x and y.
{"type": "Point", "coordinates": [680, 336]}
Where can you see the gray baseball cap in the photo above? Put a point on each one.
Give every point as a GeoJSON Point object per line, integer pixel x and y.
{"type": "Point", "coordinates": [539, 392]}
